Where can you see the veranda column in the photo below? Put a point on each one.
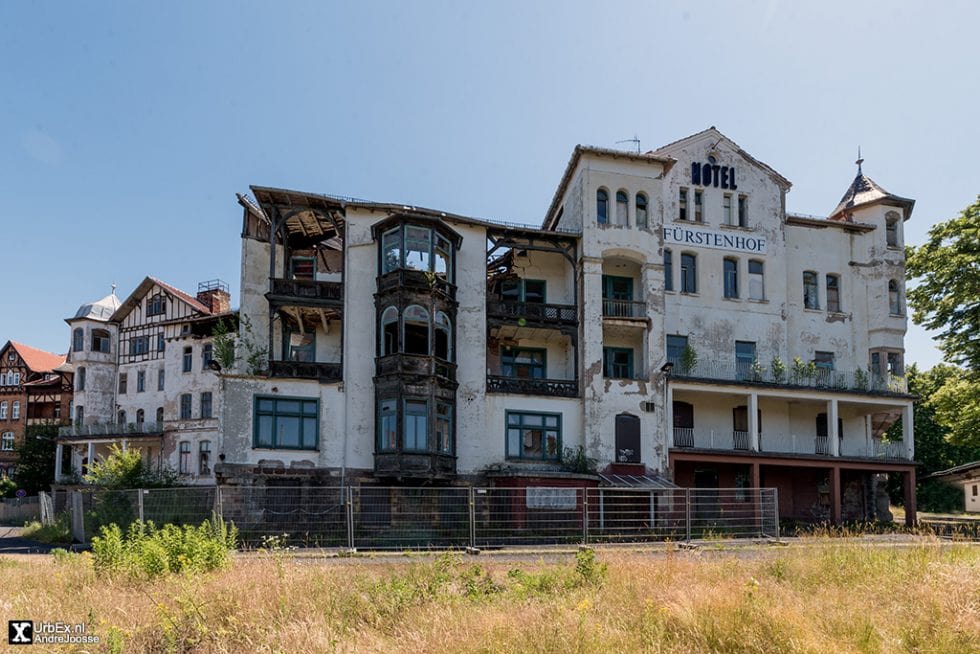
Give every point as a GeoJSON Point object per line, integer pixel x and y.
{"type": "Point", "coordinates": [909, 488]}
{"type": "Point", "coordinates": [754, 422]}
{"type": "Point", "coordinates": [835, 508]}
{"type": "Point", "coordinates": [833, 435]}
{"type": "Point", "coordinates": [58, 453]}
{"type": "Point", "coordinates": [908, 432]}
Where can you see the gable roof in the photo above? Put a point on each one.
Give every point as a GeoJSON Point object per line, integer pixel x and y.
{"type": "Point", "coordinates": [134, 298]}
{"type": "Point", "coordinates": [714, 133]}
{"type": "Point", "coordinates": [36, 360]}
{"type": "Point", "coordinates": [863, 192]}
{"type": "Point", "coordinates": [956, 471]}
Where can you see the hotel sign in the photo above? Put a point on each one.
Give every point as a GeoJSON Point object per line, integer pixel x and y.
{"type": "Point", "coordinates": [707, 238]}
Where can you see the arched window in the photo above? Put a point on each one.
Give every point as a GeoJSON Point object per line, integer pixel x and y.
{"type": "Point", "coordinates": [78, 339]}
{"type": "Point", "coordinates": [891, 229]}
{"type": "Point", "coordinates": [121, 418]}
{"type": "Point", "coordinates": [443, 337]}
{"type": "Point", "coordinates": [731, 278]}
{"type": "Point", "coordinates": [668, 269]}
{"type": "Point", "coordinates": [689, 273]}
{"type": "Point", "coordinates": [389, 331]}
{"type": "Point", "coordinates": [602, 206]}
{"type": "Point", "coordinates": [622, 208]}
{"type": "Point", "coordinates": [894, 299]}
{"type": "Point", "coordinates": [100, 340]}
{"type": "Point", "coordinates": [80, 379]}
{"type": "Point", "coordinates": [140, 416]}
{"type": "Point", "coordinates": [156, 305]}
{"type": "Point", "coordinates": [415, 330]}
{"type": "Point", "coordinates": [641, 211]}
{"type": "Point", "coordinates": [159, 415]}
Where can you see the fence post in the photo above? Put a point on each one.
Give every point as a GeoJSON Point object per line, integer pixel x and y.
{"type": "Point", "coordinates": [585, 515]}
{"type": "Point", "coordinates": [77, 516]}
{"type": "Point", "coordinates": [775, 510]}
{"type": "Point", "coordinates": [139, 503]}
{"type": "Point", "coordinates": [350, 518]}
{"type": "Point", "coordinates": [472, 514]}
{"type": "Point", "coordinates": [687, 511]}
{"type": "Point", "coordinates": [218, 509]}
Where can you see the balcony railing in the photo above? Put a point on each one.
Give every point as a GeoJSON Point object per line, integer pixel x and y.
{"type": "Point", "coordinates": [623, 309]}
{"type": "Point", "coordinates": [775, 443]}
{"type": "Point", "coordinates": [524, 386]}
{"type": "Point", "coordinates": [308, 289]}
{"type": "Point", "coordinates": [789, 375]}
{"type": "Point", "coordinates": [112, 429]}
{"type": "Point", "coordinates": [533, 312]}
{"type": "Point", "coordinates": [415, 364]}
{"type": "Point", "coordinates": [416, 279]}
{"type": "Point", "coordinates": [322, 372]}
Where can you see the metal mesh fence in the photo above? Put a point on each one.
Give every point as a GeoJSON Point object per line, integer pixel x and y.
{"type": "Point", "coordinates": [383, 517]}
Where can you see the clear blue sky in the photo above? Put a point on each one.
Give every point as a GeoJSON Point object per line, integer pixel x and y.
{"type": "Point", "coordinates": [126, 128]}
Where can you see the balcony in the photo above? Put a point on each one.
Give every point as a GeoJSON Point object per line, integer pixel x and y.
{"type": "Point", "coordinates": [792, 376]}
{"type": "Point", "coordinates": [416, 280]}
{"type": "Point", "coordinates": [324, 373]}
{"type": "Point", "coordinates": [306, 292]}
{"type": "Point", "coordinates": [804, 445]}
{"type": "Point", "coordinates": [415, 365]}
{"type": "Point", "coordinates": [525, 386]}
{"type": "Point", "coordinates": [624, 309]}
{"type": "Point", "coordinates": [112, 429]}
{"type": "Point", "coordinates": [533, 313]}
{"type": "Point", "coordinates": [414, 465]}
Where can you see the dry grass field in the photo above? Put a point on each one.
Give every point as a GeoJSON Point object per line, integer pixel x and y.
{"type": "Point", "coordinates": [823, 596]}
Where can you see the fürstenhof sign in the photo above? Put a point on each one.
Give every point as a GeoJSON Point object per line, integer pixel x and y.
{"type": "Point", "coordinates": [718, 240]}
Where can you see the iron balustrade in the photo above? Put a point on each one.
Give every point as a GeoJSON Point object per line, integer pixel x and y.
{"type": "Point", "coordinates": [112, 429]}
{"type": "Point", "coordinates": [623, 309]}
{"type": "Point", "coordinates": [308, 289]}
{"type": "Point", "coordinates": [416, 279]}
{"type": "Point", "coordinates": [323, 372]}
{"type": "Point", "coordinates": [855, 380]}
{"type": "Point", "coordinates": [526, 386]}
{"type": "Point", "coordinates": [777, 443]}
{"type": "Point", "coordinates": [415, 364]}
{"type": "Point", "coordinates": [559, 314]}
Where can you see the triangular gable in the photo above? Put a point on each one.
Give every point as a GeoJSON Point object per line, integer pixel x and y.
{"type": "Point", "coordinates": [36, 360]}
{"type": "Point", "coordinates": [713, 134]}
{"type": "Point", "coordinates": [172, 292]}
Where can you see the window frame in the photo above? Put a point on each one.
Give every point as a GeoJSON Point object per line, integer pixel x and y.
{"type": "Point", "coordinates": [101, 341]}
{"type": "Point", "coordinates": [608, 352]}
{"type": "Point", "coordinates": [730, 278]}
{"type": "Point", "coordinates": [891, 230]}
{"type": "Point", "coordinates": [425, 403]}
{"type": "Point", "coordinates": [682, 200]}
{"type": "Point", "coordinates": [156, 305]}
{"type": "Point", "coordinates": [187, 359]}
{"type": "Point", "coordinates": [514, 352]}
{"type": "Point", "coordinates": [668, 346]}
{"type": "Point", "coordinates": [894, 298]}
{"type": "Point", "coordinates": [8, 441]}
{"type": "Point", "coordinates": [811, 290]}
{"type": "Point", "coordinates": [726, 209]}
{"type": "Point", "coordinates": [622, 208]}
{"type": "Point", "coordinates": [761, 279]}
{"type": "Point", "coordinates": [187, 414]}
{"type": "Point", "coordinates": [602, 206]}
{"type": "Point", "coordinates": [743, 210]}
{"type": "Point", "coordinates": [689, 273]}
{"type": "Point", "coordinates": [161, 379]}
{"type": "Point", "coordinates": [78, 339]}
{"type": "Point", "coordinates": [209, 396]}
{"type": "Point", "coordinates": [832, 291]}
{"type": "Point", "coordinates": [80, 379]}
{"type": "Point", "coordinates": [642, 208]}
{"type": "Point", "coordinates": [698, 206]}
{"type": "Point", "coordinates": [668, 270]}
{"type": "Point", "coordinates": [302, 415]}
{"type": "Point", "coordinates": [123, 383]}
{"type": "Point", "coordinates": [522, 427]}
{"type": "Point", "coordinates": [184, 458]}
{"type": "Point", "coordinates": [140, 381]}
{"type": "Point", "coordinates": [204, 457]}
{"type": "Point", "coordinates": [15, 410]}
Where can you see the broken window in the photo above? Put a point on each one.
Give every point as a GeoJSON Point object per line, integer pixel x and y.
{"type": "Point", "coordinates": [185, 406]}
{"type": "Point", "coordinates": [122, 383]}
{"type": "Point", "coordinates": [416, 330]}
{"type": "Point", "coordinates": [682, 205]}
{"type": "Point", "coordinates": [204, 458]}
{"type": "Point", "coordinates": [443, 336]}
{"type": "Point", "coordinates": [622, 208]}
{"type": "Point", "coordinates": [891, 229]}
{"type": "Point", "coordinates": [387, 425]}
{"type": "Point", "coordinates": [698, 206]}
{"type": "Point", "coordinates": [184, 462]}
{"type": "Point", "coordinates": [301, 346]}
{"type": "Point", "coordinates": [617, 362]}
{"type": "Point", "coordinates": [533, 435]}
{"type": "Point", "coordinates": [810, 298]}
{"type": "Point", "coordinates": [743, 211]}
{"type": "Point", "coordinates": [389, 331]}
{"type": "Point", "coordinates": [418, 243]}
{"type": "Point", "coordinates": [757, 285]}
{"type": "Point", "coordinates": [302, 267]}
{"type": "Point", "coordinates": [522, 362]}
{"type": "Point", "coordinates": [731, 278]}
{"type": "Point", "coordinates": [833, 293]}
{"type": "Point", "coordinates": [391, 250]}
{"type": "Point", "coordinates": [100, 340]}
{"type": "Point", "coordinates": [641, 211]}
{"type": "Point", "coordinates": [894, 299]}
{"type": "Point", "coordinates": [689, 273]}
{"type": "Point", "coordinates": [444, 428]}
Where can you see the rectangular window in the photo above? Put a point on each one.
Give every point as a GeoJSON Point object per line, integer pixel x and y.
{"type": "Point", "coordinates": [184, 462]}
{"type": "Point", "coordinates": [757, 284]}
{"type": "Point", "coordinates": [139, 345]}
{"type": "Point", "coordinates": [160, 379]}
{"type": "Point", "coordinates": [302, 267]}
{"type": "Point", "coordinates": [974, 490]}
{"type": "Point", "coordinates": [387, 426]}
{"type": "Point", "coordinates": [391, 250]}
{"type": "Point", "coordinates": [894, 361]}
{"type": "Point", "coordinates": [891, 232]}
{"type": "Point", "coordinates": [416, 437]}
{"type": "Point", "coordinates": [523, 290]}
{"type": "Point", "coordinates": [300, 346]}
{"type": "Point", "coordinates": [140, 381]}
{"type": "Point", "coordinates": [689, 273]}
{"type": "Point", "coordinates": [675, 347]}
{"type": "Point", "coordinates": [744, 358]}
{"type": "Point", "coordinates": [188, 360]}
{"type": "Point", "coordinates": [731, 278]}
{"type": "Point", "coordinates": [833, 293]}
{"type": "Point", "coordinates": [698, 206]}
{"type": "Point", "coordinates": [443, 259]}
{"type": "Point", "coordinates": [122, 383]}
{"type": "Point", "coordinates": [161, 342]}
{"type": "Point", "coordinates": [534, 436]}
{"type": "Point", "coordinates": [206, 409]}
{"type": "Point", "coordinates": [8, 441]}
{"type": "Point", "coordinates": [286, 423]}
{"type": "Point", "coordinates": [682, 205]}
{"type": "Point", "coordinates": [743, 211]}
{"type": "Point", "coordinates": [3, 410]}
{"type": "Point", "coordinates": [617, 362]}
{"type": "Point", "coordinates": [824, 360]}
{"type": "Point", "coordinates": [726, 209]}
{"type": "Point", "coordinates": [100, 340]}
{"type": "Point", "coordinates": [78, 340]}
{"type": "Point", "coordinates": [80, 381]}
{"type": "Point", "coordinates": [668, 270]}
{"type": "Point", "coordinates": [418, 248]}
{"type": "Point", "coordinates": [810, 298]}
{"type": "Point", "coordinates": [207, 354]}
{"type": "Point", "coordinates": [185, 406]}
{"type": "Point", "coordinates": [524, 363]}
{"type": "Point", "coordinates": [444, 428]}
{"type": "Point", "coordinates": [875, 363]}
{"type": "Point", "coordinates": [15, 411]}
{"type": "Point", "coordinates": [204, 458]}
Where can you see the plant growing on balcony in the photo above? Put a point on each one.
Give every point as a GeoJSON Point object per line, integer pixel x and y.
{"type": "Point", "coordinates": [256, 356]}
{"type": "Point", "coordinates": [224, 345]}
{"type": "Point", "coordinates": [803, 371]}
{"type": "Point", "coordinates": [860, 379]}
{"type": "Point", "coordinates": [574, 459]}
{"type": "Point", "coordinates": [757, 371]}
{"type": "Point", "coordinates": [778, 369]}
{"type": "Point", "coordinates": [689, 359]}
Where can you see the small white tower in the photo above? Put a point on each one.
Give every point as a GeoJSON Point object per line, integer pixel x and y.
{"type": "Point", "coordinates": [94, 357]}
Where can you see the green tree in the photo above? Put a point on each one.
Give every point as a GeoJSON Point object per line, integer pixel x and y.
{"type": "Point", "coordinates": [35, 464]}
{"type": "Point", "coordinates": [124, 469]}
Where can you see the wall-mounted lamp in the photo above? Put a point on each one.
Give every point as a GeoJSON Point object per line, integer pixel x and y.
{"type": "Point", "coordinates": [667, 368]}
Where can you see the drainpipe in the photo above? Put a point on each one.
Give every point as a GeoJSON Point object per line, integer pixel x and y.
{"type": "Point", "coordinates": [343, 362]}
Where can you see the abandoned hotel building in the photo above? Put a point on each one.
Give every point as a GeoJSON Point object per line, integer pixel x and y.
{"type": "Point", "coordinates": [669, 317]}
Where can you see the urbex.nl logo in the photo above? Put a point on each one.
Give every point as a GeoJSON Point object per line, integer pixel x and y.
{"type": "Point", "coordinates": [20, 632]}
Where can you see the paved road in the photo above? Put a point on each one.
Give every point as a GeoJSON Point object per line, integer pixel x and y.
{"type": "Point", "coordinates": [12, 543]}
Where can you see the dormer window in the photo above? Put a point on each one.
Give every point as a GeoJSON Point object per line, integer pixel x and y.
{"type": "Point", "coordinates": [156, 305]}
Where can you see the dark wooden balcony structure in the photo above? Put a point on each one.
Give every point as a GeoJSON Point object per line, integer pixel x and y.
{"type": "Point", "coordinates": [415, 465]}
{"type": "Point", "coordinates": [526, 386]}
{"type": "Point", "coordinates": [306, 292]}
{"type": "Point", "coordinates": [325, 373]}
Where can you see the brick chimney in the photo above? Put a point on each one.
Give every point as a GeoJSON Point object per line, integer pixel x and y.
{"type": "Point", "coordinates": [214, 295]}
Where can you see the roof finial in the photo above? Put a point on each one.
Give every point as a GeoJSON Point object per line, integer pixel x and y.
{"type": "Point", "coordinates": [113, 288]}
{"type": "Point", "coordinates": [859, 161]}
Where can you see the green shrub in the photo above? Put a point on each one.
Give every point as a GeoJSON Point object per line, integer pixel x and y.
{"type": "Point", "coordinates": [59, 532]}
{"type": "Point", "coordinates": [124, 469]}
{"type": "Point", "coordinates": [147, 551]}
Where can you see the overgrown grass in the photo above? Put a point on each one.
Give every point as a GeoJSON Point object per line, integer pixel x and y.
{"type": "Point", "coordinates": [835, 598]}
{"type": "Point", "coordinates": [58, 533]}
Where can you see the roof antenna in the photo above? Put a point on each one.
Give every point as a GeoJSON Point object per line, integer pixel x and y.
{"type": "Point", "coordinates": [635, 140]}
{"type": "Point", "coordinates": [859, 161]}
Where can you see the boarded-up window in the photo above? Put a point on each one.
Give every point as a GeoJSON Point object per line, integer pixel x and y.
{"type": "Point", "coordinates": [627, 439]}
